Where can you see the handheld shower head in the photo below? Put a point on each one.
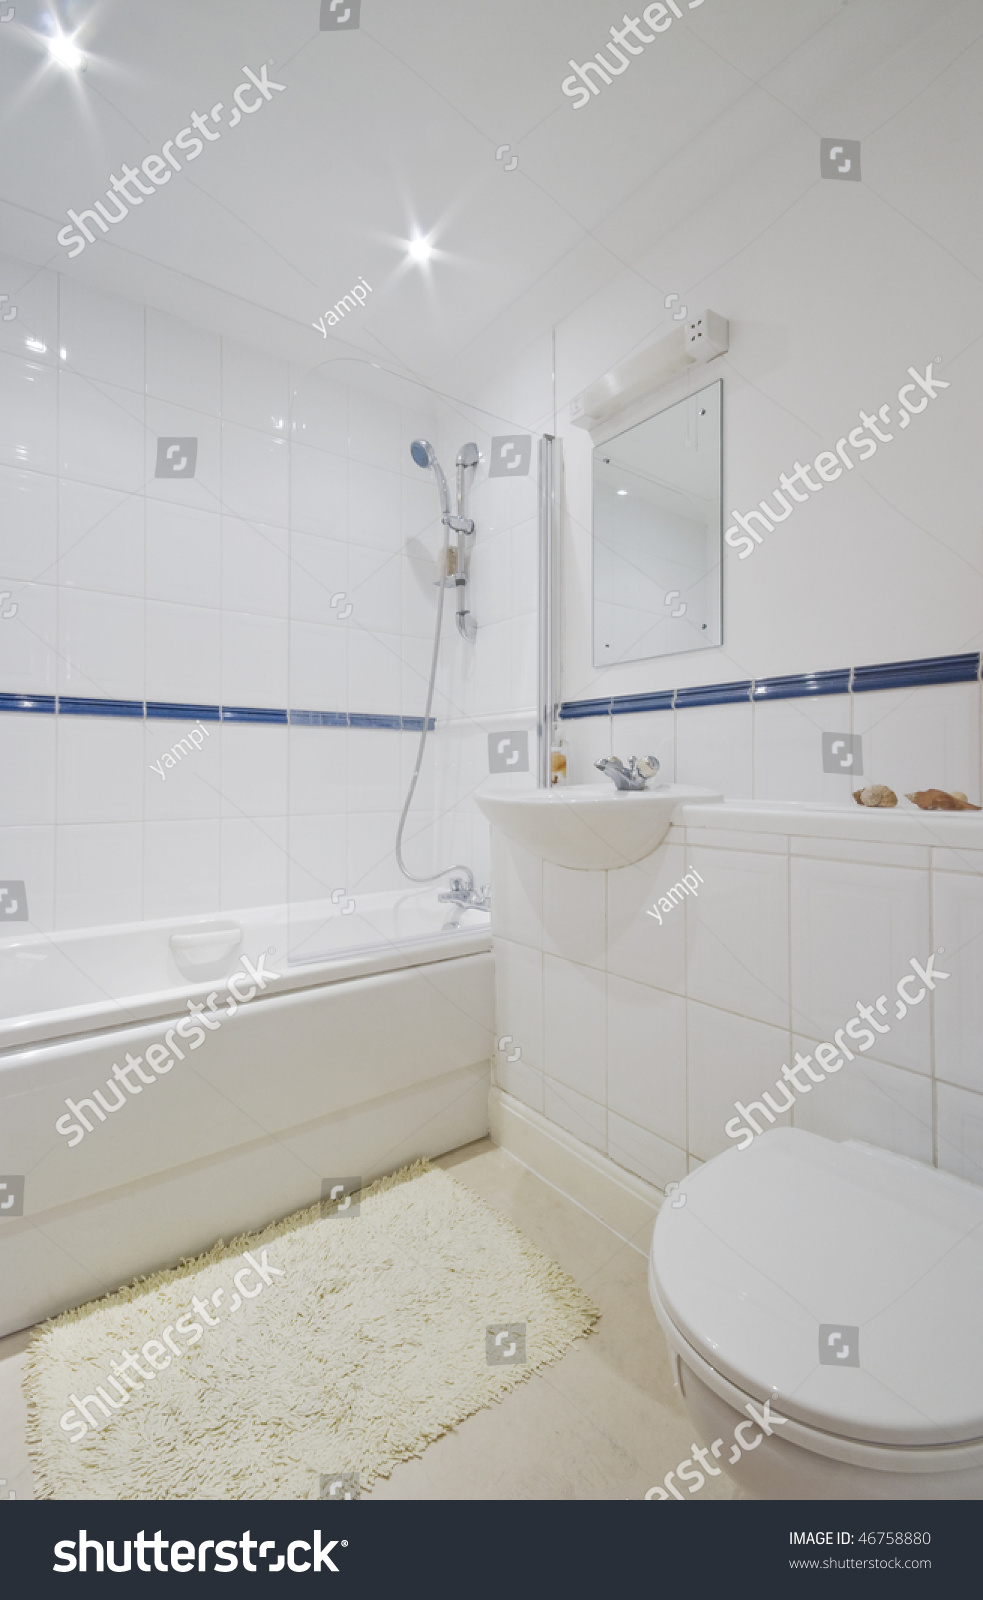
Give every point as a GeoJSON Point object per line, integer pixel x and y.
{"type": "Point", "coordinates": [425, 455]}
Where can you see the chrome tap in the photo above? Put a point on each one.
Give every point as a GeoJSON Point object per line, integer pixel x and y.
{"type": "Point", "coordinates": [462, 892]}
{"type": "Point", "coordinates": [634, 776]}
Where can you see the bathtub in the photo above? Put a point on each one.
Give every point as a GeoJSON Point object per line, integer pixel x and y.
{"type": "Point", "coordinates": [290, 1049]}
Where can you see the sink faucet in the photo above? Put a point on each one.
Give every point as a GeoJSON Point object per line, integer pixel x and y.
{"type": "Point", "coordinates": [634, 776]}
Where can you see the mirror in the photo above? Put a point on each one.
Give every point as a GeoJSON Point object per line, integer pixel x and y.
{"type": "Point", "coordinates": [657, 533]}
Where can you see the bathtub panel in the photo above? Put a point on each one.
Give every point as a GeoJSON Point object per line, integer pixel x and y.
{"type": "Point", "coordinates": [63, 1258]}
{"type": "Point", "coordinates": [276, 1064]}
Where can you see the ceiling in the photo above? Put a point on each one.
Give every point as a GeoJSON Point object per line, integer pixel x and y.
{"type": "Point", "coordinates": [392, 128]}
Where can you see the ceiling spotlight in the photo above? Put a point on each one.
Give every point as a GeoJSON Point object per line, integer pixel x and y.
{"type": "Point", "coordinates": [622, 491]}
{"type": "Point", "coordinates": [65, 53]}
{"type": "Point", "coordinates": [421, 249]}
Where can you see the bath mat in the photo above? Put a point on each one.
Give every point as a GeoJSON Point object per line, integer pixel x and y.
{"type": "Point", "coordinates": [302, 1362]}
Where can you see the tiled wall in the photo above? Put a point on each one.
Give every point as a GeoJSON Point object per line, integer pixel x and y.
{"type": "Point", "coordinates": [214, 590]}
{"type": "Point", "coordinates": [926, 737]}
{"type": "Point", "coordinates": [638, 1038]}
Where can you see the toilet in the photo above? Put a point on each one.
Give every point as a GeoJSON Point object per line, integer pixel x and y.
{"type": "Point", "coordinates": [844, 1285]}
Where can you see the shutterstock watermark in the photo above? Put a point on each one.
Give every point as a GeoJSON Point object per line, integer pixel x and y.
{"type": "Point", "coordinates": [159, 1056]}
{"type": "Point", "coordinates": [659, 18]}
{"type": "Point", "coordinates": [741, 536]}
{"type": "Point", "coordinates": [694, 1478]}
{"type": "Point", "coordinates": [744, 1127]}
{"type": "Point", "coordinates": [155, 1351]}
{"type": "Point", "coordinates": [159, 168]}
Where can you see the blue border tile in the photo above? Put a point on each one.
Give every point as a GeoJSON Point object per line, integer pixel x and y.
{"type": "Point", "coordinates": [801, 684]}
{"type": "Point", "coordinates": [713, 694]}
{"type": "Point", "coordinates": [624, 704]}
{"type": "Point", "coordinates": [37, 703]}
{"type": "Point", "coordinates": [72, 705]}
{"type": "Point", "coordinates": [571, 709]}
{"type": "Point", "coordinates": [318, 719]}
{"type": "Point", "coordinates": [174, 711]}
{"type": "Point", "coordinates": [253, 714]}
{"type": "Point", "coordinates": [415, 724]}
{"type": "Point", "coordinates": [913, 674]}
{"type": "Point", "coordinates": [371, 719]}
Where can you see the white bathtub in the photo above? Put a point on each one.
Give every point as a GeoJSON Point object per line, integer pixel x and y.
{"type": "Point", "coordinates": [365, 1045]}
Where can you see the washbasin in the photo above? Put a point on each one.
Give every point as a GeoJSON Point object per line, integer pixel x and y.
{"type": "Point", "coordinates": [588, 825]}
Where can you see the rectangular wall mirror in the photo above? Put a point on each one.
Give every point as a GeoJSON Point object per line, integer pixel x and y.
{"type": "Point", "coordinates": [657, 533]}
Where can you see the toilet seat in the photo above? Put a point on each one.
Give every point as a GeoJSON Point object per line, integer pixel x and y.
{"type": "Point", "coordinates": [798, 1233]}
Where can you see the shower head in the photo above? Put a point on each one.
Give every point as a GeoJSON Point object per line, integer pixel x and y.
{"type": "Point", "coordinates": [425, 455]}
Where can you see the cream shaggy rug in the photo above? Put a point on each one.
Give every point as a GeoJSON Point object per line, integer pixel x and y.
{"type": "Point", "coordinates": [303, 1362]}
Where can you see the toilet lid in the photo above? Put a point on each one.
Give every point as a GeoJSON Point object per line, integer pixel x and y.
{"type": "Point", "coordinates": [845, 1281]}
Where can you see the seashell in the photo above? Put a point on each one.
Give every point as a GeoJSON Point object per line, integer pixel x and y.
{"type": "Point", "coordinates": [939, 800]}
{"type": "Point", "coordinates": [875, 794]}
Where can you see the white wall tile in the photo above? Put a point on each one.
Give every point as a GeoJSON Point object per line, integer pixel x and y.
{"type": "Point", "coordinates": [517, 891]}
{"type": "Point", "coordinates": [641, 1152]}
{"type": "Point", "coordinates": [254, 770]}
{"type": "Point", "coordinates": [788, 749]}
{"type": "Point", "coordinates": [714, 749]}
{"type": "Point", "coordinates": [921, 738]}
{"type": "Point", "coordinates": [254, 862]}
{"type": "Point", "coordinates": [374, 506]}
{"type": "Point", "coordinates": [255, 568]}
{"type": "Point", "coordinates": [255, 391]}
{"type": "Point", "coordinates": [255, 475]}
{"type": "Point", "coordinates": [101, 335]}
{"type": "Point", "coordinates": [318, 492]}
{"type": "Point", "coordinates": [730, 1059]}
{"type": "Point", "coordinates": [318, 575]}
{"type": "Point", "coordinates": [318, 771]}
{"type": "Point", "coordinates": [184, 554]}
{"type": "Point", "coordinates": [574, 1013]}
{"type": "Point", "coordinates": [29, 857]}
{"type": "Point", "coordinates": [28, 414]}
{"type": "Point", "coordinates": [29, 521]}
{"type": "Point", "coordinates": [29, 659]}
{"type": "Point", "coordinates": [374, 431]}
{"type": "Point", "coordinates": [318, 412]}
{"type": "Point", "coordinates": [254, 660]}
{"type": "Point", "coordinates": [318, 667]}
{"type": "Point", "coordinates": [518, 1004]}
{"type": "Point", "coordinates": [181, 868]}
{"type": "Point", "coordinates": [100, 769]}
{"type": "Point", "coordinates": [183, 363]}
{"type": "Point", "coordinates": [867, 1100]}
{"type": "Point", "coordinates": [318, 849]}
{"type": "Point", "coordinates": [737, 933]}
{"type": "Point", "coordinates": [854, 931]}
{"type": "Point", "coordinates": [646, 1054]}
{"type": "Point", "coordinates": [101, 433]}
{"type": "Point", "coordinates": [374, 672]}
{"type": "Point", "coordinates": [27, 761]}
{"type": "Point", "coordinates": [960, 1137]}
{"type": "Point", "coordinates": [189, 786]}
{"type": "Point", "coordinates": [34, 293]}
{"type": "Point", "coordinates": [639, 947]}
{"type": "Point", "coordinates": [100, 538]}
{"type": "Point", "coordinates": [99, 869]}
{"type": "Point", "coordinates": [574, 914]}
{"type": "Point", "coordinates": [101, 645]}
{"type": "Point", "coordinates": [183, 654]}
{"type": "Point", "coordinates": [584, 1118]}
{"type": "Point", "coordinates": [957, 928]}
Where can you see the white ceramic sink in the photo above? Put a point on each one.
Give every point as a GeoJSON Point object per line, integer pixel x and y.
{"type": "Point", "coordinates": [588, 825]}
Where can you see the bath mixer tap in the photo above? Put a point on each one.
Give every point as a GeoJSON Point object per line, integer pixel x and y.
{"type": "Point", "coordinates": [634, 776]}
{"type": "Point", "coordinates": [462, 892]}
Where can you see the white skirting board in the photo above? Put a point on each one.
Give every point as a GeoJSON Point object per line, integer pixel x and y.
{"type": "Point", "coordinates": [617, 1198]}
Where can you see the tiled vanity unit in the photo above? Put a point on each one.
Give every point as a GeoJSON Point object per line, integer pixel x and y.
{"type": "Point", "coordinates": [638, 1039]}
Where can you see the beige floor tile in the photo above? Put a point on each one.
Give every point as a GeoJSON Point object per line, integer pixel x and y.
{"type": "Point", "coordinates": [603, 1423]}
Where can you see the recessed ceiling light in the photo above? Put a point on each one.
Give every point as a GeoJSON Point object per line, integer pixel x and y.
{"type": "Point", "coordinates": [65, 53]}
{"type": "Point", "coordinates": [622, 491]}
{"type": "Point", "coordinates": [421, 249]}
